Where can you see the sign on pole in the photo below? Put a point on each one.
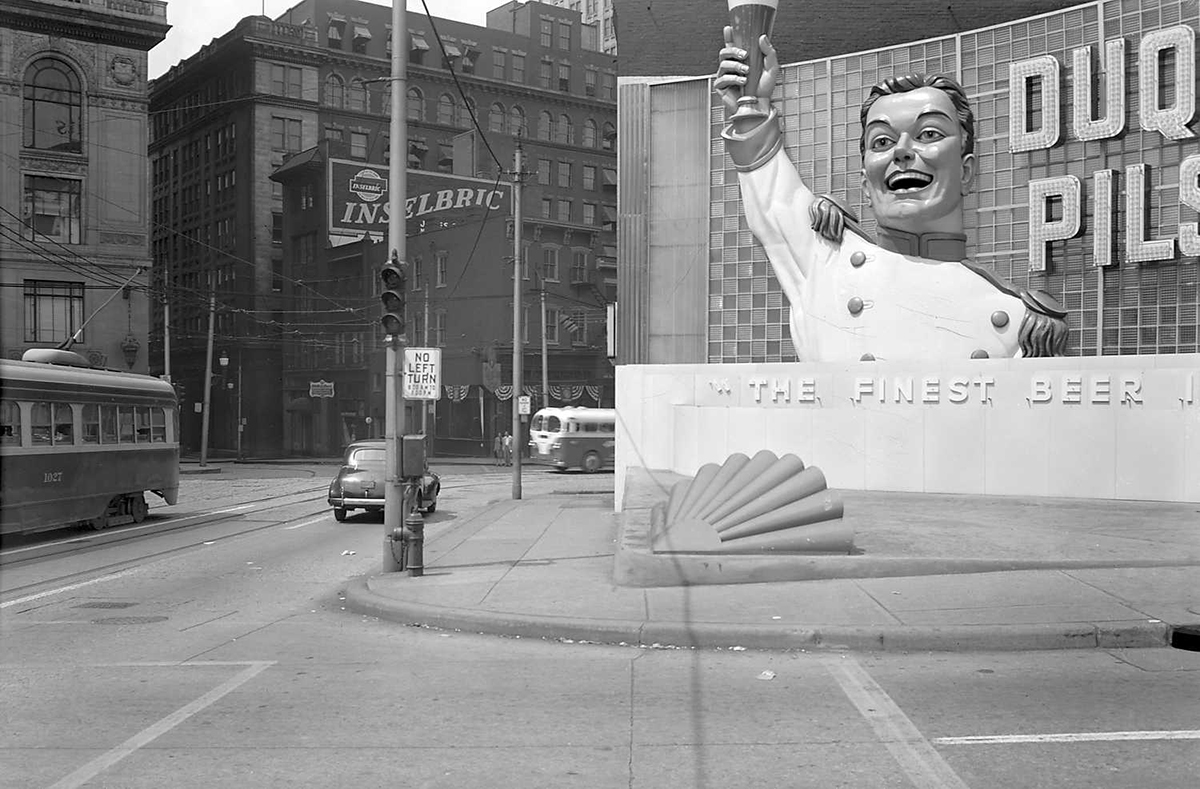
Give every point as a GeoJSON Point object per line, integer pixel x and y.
{"type": "Point", "coordinates": [523, 405]}
{"type": "Point", "coordinates": [422, 373]}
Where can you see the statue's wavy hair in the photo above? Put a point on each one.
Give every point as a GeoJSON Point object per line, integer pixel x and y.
{"type": "Point", "coordinates": [1042, 335]}
{"type": "Point", "coordinates": [894, 85]}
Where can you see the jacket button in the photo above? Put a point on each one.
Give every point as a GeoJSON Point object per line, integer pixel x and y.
{"type": "Point", "coordinates": [999, 319]}
{"type": "Point", "coordinates": [857, 259]}
{"type": "Point", "coordinates": [980, 354]}
{"type": "Point", "coordinates": [855, 305]}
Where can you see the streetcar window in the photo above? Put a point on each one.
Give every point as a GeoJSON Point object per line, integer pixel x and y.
{"type": "Point", "coordinates": [158, 425]}
{"type": "Point", "coordinates": [91, 423]}
{"type": "Point", "coordinates": [125, 424]}
{"type": "Point", "coordinates": [108, 424]}
{"type": "Point", "coordinates": [142, 414]}
{"type": "Point", "coordinates": [39, 423]}
{"type": "Point", "coordinates": [64, 424]}
{"type": "Point", "coordinates": [10, 422]}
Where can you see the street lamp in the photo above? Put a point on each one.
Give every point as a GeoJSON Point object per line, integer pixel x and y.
{"type": "Point", "coordinates": [224, 362]}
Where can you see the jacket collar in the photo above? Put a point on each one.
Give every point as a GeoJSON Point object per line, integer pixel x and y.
{"type": "Point", "coordinates": [932, 246]}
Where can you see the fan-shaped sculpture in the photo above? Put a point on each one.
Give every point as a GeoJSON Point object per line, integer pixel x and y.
{"type": "Point", "coordinates": [764, 504]}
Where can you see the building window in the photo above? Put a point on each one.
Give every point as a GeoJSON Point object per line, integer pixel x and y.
{"type": "Point", "coordinates": [589, 177]}
{"type": "Point", "coordinates": [589, 82]}
{"type": "Point", "coordinates": [416, 154]}
{"type": "Point", "coordinates": [52, 209]}
{"type": "Point", "coordinates": [358, 145]}
{"type": "Point", "coordinates": [546, 39]}
{"type": "Point", "coordinates": [334, 133]}
{"type": "Point", "coordinates": [589, 133]}
{"type": "Point", "coordinates": [418, 281]}
{"type": "Point", "coordinates": [466, 115]}
{"type": "Point", "coordinates": [358, 95]}
{"type": "Point", "coordinates": [497, 64]}
{"type": "Point", "coordinates": [552, 318]}
{"type": "Point", "coordinates": [335, 91]}
{"type": "Point", "coordinates": [518, 68]}
{"type": "Point", "coordinates": [589, 213]}
{"type": "Point", "coordinates": [496, 118]}
{"type": "Point", "coordinates": [608, 139]}
{"type": "Point", "coordinates": [564, 78]}
{"type": "Point", "coordinates": [564, 175]}
{"type": "Point", "coordinates": [307, 198]}
{"type": "Point", "coordinates": [416, 53]}
{"type": "Point", "coordinates": [547, 208]}
{"type": "Point", "coordinates": [564, 36]}
{"type": "Point", "coordinates": [53, 311]}
{"type": "Point", "coordinates": [469, 59]}
{"type": "Point", "coordinates": [276, 228]}
{"type": "Point", "coordinates": [579, 266]}
{"type": "Point", "coordinates": [446, 109]}
{"type": "Point", "coordinates": [336, 32]}
{"type": "Point", "coordinates": [440, 270]}
{"type": "Point", "coordinates": [608, 86]}
{"type": "Point", "coordinates": [445, 157]}
{"type": "Point", "coordinates": [285, 134]}
{"type": "Point", "coordinates": [545, 125]}
{"type": "Point", "coordinates": [564, 210]}
{"type": "Point", "coordinates": [543, 172]}
{"type": "Point", "coordinates": [286, 81]}
{"type": "Point", "coordinates": [550, 264]}
{"type": "Point", "coordinates": [362, 35]}
{"type": "Point", "coordinates": [516, 122]}
{"type": "Point", "coordinates": [545, 70]}
{"type": "Point", "coordinates": [439, 328]}
{"type": "Point", "coordinates": [53, 106]}
{"type": "Point", "coordinates": [416, 105]}
{"type": "Point", "coordinates": [565, 132]}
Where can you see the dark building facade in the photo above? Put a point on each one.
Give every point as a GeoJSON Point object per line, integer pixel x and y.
{"type": "Point", "coordinates": [310, 89]}
{"type": "Point", "coordinates": [74, 207]}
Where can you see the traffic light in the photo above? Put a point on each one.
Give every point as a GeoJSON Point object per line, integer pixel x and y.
{"type": "Point", "coordinates": [395, 286]}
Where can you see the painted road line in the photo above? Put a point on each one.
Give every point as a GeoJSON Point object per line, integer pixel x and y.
{"type": "Point", "coordinates": [69, 588]}
{"type": "Point", "coordinates": [923, 765]}
{"type": "Point", "coordinates": [101, 763]}
{"type": "Point", "coordinates": [1083, 736]}
{"type": "Point", "coordinates": [306, 523]}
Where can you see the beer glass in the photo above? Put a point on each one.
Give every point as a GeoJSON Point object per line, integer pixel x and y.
{"type": "Point", "coordinates": [749, 20]}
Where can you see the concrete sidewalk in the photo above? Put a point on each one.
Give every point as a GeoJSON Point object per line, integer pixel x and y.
{"type": "Point", "coordinates": [1109, 575]}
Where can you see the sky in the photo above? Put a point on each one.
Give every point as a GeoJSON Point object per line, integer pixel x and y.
{"type": "Point", "coordinates": [195, 23]}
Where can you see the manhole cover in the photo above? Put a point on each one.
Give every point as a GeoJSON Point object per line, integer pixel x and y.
{"type": "Point", "coordinates": [104, 604]}
{"type": "Point", "coordinates": [129, 620]}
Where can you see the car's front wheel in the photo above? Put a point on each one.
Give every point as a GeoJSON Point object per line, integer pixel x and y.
{"type": "Point", "coordinates": [339, 514]}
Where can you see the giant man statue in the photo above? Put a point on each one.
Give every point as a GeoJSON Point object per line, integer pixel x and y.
{"type": "Point", "coordinates": [910, 293]}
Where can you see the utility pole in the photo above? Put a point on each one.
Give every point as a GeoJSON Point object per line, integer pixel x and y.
{"type": "Point", "coordinates": [425, 404]}
{"type": "Point", "coordinates": [167, 324]}
{"type": "Point", "coordinates": [208, 359]}
{"type": "Point", "coordinates": [545, 355]}
{"type": "Point", "coordinates": [240, 425]}
{"type": "Point", "coordinates": [517, 349]}
{"type": "Point", "coordinates": [394, 294]}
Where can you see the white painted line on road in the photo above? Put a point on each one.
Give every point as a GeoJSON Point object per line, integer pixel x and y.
{"type": "Point", "coordinates": [1083, 736]}
{"type": "Point", "coordinates": [101, 763]}
{"type": "Point", "coordinates": [306, 523]}
{"type": "Point", "coordinates": [923, 765]}
{"type": "Point", "coordinates": [68, 588]}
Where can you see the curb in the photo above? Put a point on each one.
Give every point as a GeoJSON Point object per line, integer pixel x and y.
{"type": "Point", "coordinates": [890, 638]}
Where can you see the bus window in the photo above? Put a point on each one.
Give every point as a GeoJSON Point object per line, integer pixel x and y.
{"type": "Point", "coordinates": [10, 422]}
{"type": "Point", "coordinates": [142, 421]}
{"type": "Point", "coordinates": [91, 423]}
{"type": "Point", "coordinates": [553, 424]}
{"type": "Point", "coordinates": [536, 424]}
{"type": "Point", "coordinates": [125, 424]}
{"type": "Point", "coordinates": [64, 424]}
{"type": "Point", "coordinates": [158, 425]}
{"type": "Point", "coordinates": [108, 424]}
{"type": "Point", "coordinates": [609, 427]}
{"type": "Point", "coordinates": [39, 423]}
{"type": "Point", "coordinates": [590, 427]}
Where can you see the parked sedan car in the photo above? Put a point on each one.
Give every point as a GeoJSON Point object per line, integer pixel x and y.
{"type": "Point", "coordinates": [362, 480]}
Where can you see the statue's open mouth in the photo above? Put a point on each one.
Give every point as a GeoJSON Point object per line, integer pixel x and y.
{"type": "Point", "coordinates": [908, 181]}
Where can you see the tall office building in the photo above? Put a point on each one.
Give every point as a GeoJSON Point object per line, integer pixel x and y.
{"type": "Point", "coordinates": [601, 15]}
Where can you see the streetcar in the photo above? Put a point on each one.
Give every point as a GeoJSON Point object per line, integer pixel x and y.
{"type": "Point", "coordinates": [573, 437]}
{"type": "Point", "coordinates": [81, 445]}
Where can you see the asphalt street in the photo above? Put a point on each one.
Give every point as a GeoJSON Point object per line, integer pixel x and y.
{"type": "Point", "coordinates": [222, 654]}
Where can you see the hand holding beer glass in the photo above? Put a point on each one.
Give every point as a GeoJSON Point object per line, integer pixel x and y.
{"type": "Point", "coordinates": [748, 69]}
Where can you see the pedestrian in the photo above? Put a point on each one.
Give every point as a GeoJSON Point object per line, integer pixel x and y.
{"type": "Point", "coordinates": [498, 449]}
{"type": "Point", "coordinates": [508, 448]}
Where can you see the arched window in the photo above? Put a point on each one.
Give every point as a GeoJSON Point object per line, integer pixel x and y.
{"type": "Point", "coordinates": [335, 91]}
{"type": "Point", "coordinates": [589, 133]}
{"type": "Point", "coordinates": [545, 125]}
{"type": "Point", "coordinates": [467, 112]}
{"type": "Point", "coordinates": [565, 131]}
{"type": "Point", "coordinates": [53, 107]}
{"type": "Point", "coordinates": [416, 105]}
{"type": "Point", "coordinates": [496, 118]}
{"type": "Point", "coordinates": [608, 139]}
{"type": "Point", "coordinates": [516, 122]}
{"type": "Point", "coordinates": [446, 109]}
{"type": "Point", "coordinates": [358, 95]}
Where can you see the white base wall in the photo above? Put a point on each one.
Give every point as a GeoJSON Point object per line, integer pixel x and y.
{"type": "Point", "coordinates": [1110, 427]}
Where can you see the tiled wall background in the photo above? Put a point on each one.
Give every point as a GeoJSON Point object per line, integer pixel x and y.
{"type": "Point", "coordinates": [1126, 308]}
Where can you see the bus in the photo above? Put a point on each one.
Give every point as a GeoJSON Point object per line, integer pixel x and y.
{"type": "Point", "coordinates": [81, 445]}
{"type": "Point", "coordinates": [573, 437]}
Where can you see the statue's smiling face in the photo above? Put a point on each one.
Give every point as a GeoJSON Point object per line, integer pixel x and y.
{"type": "Point", "coordinates": [914, 172]}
